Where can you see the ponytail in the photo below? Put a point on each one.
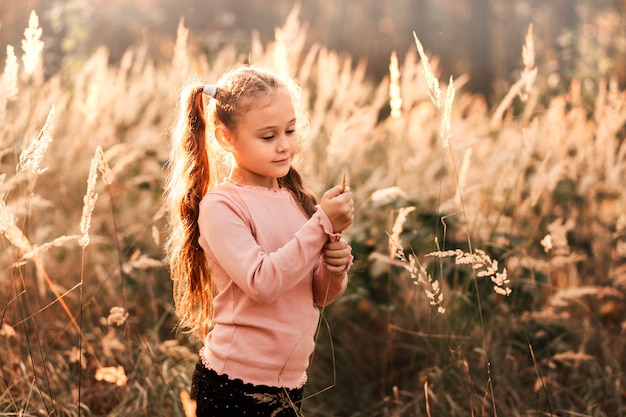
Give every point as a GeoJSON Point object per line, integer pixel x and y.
{"type": "Point", "coordinates": [293, 182]}
{"type": "Point", "coordinates": [187, 183]}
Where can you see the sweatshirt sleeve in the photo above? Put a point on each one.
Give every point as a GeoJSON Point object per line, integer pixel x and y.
{"type": "Point", "coordinates": [230, 236]}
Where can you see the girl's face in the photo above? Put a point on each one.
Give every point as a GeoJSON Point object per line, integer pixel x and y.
{"type": "Point", "coordinates": [265, 141]}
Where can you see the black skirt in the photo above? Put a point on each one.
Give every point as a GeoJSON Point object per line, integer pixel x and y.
{"type": "Point", "coordinates": [217, 395]}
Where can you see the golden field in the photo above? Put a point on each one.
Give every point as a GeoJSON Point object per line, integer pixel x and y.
{"type": "Point", "coordinates": [490, 241]}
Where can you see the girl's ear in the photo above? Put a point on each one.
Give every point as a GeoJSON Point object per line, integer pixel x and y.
{"type": "Point", "coordinates": [225, 138]}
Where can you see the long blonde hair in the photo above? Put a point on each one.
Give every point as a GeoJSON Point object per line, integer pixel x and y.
{"type": "Point", "coordinates": [191, 172]}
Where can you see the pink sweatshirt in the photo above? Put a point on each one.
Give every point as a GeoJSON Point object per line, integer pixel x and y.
{"type": "Point", "coordinates": [267, 261]}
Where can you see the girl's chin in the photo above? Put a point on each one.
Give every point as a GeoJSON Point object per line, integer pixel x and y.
{"type": "Point", "coordinates": [284, 169]}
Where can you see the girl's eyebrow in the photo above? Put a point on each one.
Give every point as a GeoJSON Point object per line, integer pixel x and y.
{"type": "Point", "coordinates": [292, 121]}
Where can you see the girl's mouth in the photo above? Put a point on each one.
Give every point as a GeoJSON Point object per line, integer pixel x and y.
{"type": "Point", "coordinates": [283, 161]}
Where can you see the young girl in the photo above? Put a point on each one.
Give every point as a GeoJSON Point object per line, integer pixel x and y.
{"type": "Point", "coordinates": [251, 256]}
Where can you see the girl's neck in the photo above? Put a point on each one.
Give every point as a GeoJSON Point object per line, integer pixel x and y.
{"type": "Point", "coordinates": [242, 178]}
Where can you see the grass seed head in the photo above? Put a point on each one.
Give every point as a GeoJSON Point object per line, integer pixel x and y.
{"type": "Point", "coordinates": [89, 201]}
{"type": "Point", "coordinates": [31, 157]}
{"type": "Point", "coordinates": [395, 99]}
{"type": "Point", "coordinates": [9, 76]}
{"type": "Point", "coordinates": [434, 91]}
{"type": "Point", "coordinates": [32, 45]}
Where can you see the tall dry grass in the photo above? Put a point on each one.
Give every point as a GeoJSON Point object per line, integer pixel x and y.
{"type": "Point", "coordinates": [534, 184]}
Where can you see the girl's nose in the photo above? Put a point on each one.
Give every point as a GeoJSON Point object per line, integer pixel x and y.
{"type": "Point", "coordinates": [283, 143]}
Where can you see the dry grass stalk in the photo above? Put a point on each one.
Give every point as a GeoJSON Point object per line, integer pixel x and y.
{"type": "Point", "coordinates": [9, 76]}
{"type": "Point", "coordinates": [395, 243]}
{"type": "Point", "coordinates": [180, 61]}
{"type": "Point", "coordinates": [383, 196]}
{"type": "Point", "coordinates": [524, 85]}
{"type": "Point", "coordinates": [569, 357]}
{"type": "Point", "coordinates": [417, 272]}
{"type": "Point", "coordinates": [32, 156]}
{"type": "Point", "coordinates": [445, 130]}
{"type": "Point", "coordinates": [103, 167]}
{"type": "Point", "coordinates": [141, 261]}
{"type": "Point", "coordinates": [462, 180]}
{"type": "Point", "coordinates": [434, 91]}
{"type": "Point", "coordinates": [482, 265]}
{"type": "Point", "coordinates": [426, 398]}
{"type": "Point", "coordinates": [529, 73]}
{"type": "Point", "coordinates": [39, 249]}
{"type": "Point", "coordinates": [289, 41]}
{"type": "Point", "coordinates": [280, 57]}
{"type": "Point", "coordinates": [89, 201]}
{"type": "Point", "coordinates": [429, 285]}
{"type": "Point", "coordinates": [32, 45]}
{"type": "Point", "coordinates": [11, 231]}
{"type": "Point", "coordinates": [575, 296]}
{"type": "Point", "coordinates": [59, 298]}
{"type": "Point", "coordinates": [395, 99]}
{"type": "Point", "coordinates": [93, 101]}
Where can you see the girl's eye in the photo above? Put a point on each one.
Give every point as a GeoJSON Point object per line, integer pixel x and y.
{"type": "Point", "coordinates": [267, 137]}
{"type": "Point", "coordinates": [291, 131]}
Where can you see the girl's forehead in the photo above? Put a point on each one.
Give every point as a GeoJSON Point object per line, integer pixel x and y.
{"type": "Point", "coordinates": [277, 103]}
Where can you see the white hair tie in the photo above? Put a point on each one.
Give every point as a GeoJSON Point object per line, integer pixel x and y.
{"type": "Point", "coordinates": [210, 89]}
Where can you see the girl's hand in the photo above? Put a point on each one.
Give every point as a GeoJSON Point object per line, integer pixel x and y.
{"type": "Point", "coordinates": [338, 205]}
{"type": "Point", "coordinates": [337, 256]}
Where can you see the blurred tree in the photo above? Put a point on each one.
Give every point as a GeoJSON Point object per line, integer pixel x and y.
{"type": "Point", "coordinates": [479, 33]}
{"type": "Point", "coordinates": [482, 38]}
{"type": "Point", "coordinates": [600, 41]}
